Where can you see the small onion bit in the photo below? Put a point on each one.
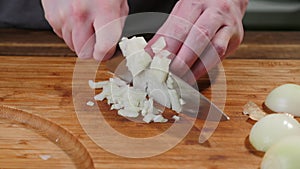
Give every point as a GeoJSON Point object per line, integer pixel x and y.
{"type": "Point", "coordinates": [253, 111]}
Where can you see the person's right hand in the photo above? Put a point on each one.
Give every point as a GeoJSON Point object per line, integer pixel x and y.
{"type": "Point", "coordinates": [77, 21]}
{"type": "Point", "coordinates": [200, 33]}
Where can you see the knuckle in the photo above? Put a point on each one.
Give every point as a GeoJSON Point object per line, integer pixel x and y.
{"type": "Point", "coordinates": [220, 49]}
{"type": "Point", "coordinates": [204, 31]}
{"type": "Point", "coordinates": [78, 12]}
{"type": "Point", "coordinates": [225, 6]}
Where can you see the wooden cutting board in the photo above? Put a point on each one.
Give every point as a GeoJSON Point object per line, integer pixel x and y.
{"type": "Point", "coordinates": [39, 126]}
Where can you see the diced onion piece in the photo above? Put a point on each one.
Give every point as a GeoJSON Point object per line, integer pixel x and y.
{"type": "Point", "coordinates": [138, 62]}
{"type": "Point", "coordinates": [148, 117]}
{"type": "Point", "coordinates": [283, 155]}
{"type": "Point", "coordinates": [151, 105]}
{"type": "Point", "coordinates": [116, 106]}
{"type": "Point", "coordinates": [115, 92]}
{"type": "Point", "coordinates": [145, 108]}
{"type": "Point", "coordinates": [161, 65]}
{"type": "Point", "coordinates": [170, 82]}
{"type": "Point", "coordinates": [175, 102]}
{"type": "Point", "coordinates": [90, 103]}
{"type": "Point", "coordinates": [176, 118]}
{"type": "Point", "coordinates": [100, 96]}
{"type": "Point", "coordinates": [159, 93]}
{"type": "Point", "coordinates": [155, 89]}
{"type": "Point", "coordinates": [159, 45]}
{"type": "Point", "coordinates": [155, 111]}
{"type": "Point", "coordinates": [159, 119]}
{"type": "Point", "coordinates": [45, 157]}
{"type": "Point", "coordinates": [271, 128]}
{"type": "Point", "coordinates": [118, 81]}
{"type": "Point", "coordinates": [163, 54]}
{"type": "Point", "coordinates": [129, 106]}
{"type": "Point", "coordinates": [127, 113]}
{"type": "Point", "coordinates": [285, 99]}
{"type": "Point", "coordinates": [136, 97]}
{"type": "Point", "coordinates": [132, 46]}
{"type": "Point", "coordinates": [182, 102]}
{"type": "Point", "coordinates": [97, 85]}
{"type": "Point", "coordinates": [253, 111]}
{"type": "Point", "coordinates": [141, 80]}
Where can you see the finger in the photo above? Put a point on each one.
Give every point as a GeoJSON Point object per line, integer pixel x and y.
{"type": "Point", "coordinates": [213, 54]}
{"type": "Point", "coordinates": [58, 32]}
{"type": "Point", "coordinates": [199, 37]}
{"type": "Point", "coordinates": [221, 41]}
{"type": "Point", "coordinates": [178, 24]}
{"type": "Point", "coordinates": [83, 40]}
{"type": "Point", "coordinates": [67, 36]}
{"type": "Point", "coordinates": [107, 37]}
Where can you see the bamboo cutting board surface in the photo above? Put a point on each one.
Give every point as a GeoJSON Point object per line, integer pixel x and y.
{"type": "Point", "coordinates": [39, 127]}
{"type": "Point", "coordinates": [42, 88]}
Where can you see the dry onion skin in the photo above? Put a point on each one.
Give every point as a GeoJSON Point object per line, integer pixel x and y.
{"type": "Point", "coordinates": [253, 111]}
{"type": "Point", "coordinates": [284, 154]}
{"type": "Point", "coordinates": [285, 99]}
{"type": "Point", "coordinates": [271, 128]}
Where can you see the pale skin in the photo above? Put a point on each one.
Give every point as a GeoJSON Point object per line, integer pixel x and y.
{"type": "Point", "coordinates": [214, 25]}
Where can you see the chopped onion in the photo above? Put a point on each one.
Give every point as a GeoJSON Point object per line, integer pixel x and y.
{"type": "Point", "coordinates": [160, 68]}
{"type": "Point", "coordinates": [175, 101]}
{"type": "Point", "coordinates": [159, 45]}
{"type": "Point", "coordinates": [163, 54]}
{"type": "Point", "coordinates": [128, 113]}
{"type": "Point", "coordinates": [176, 118]}
{"type": "Point", "coordinates": [132, 46]}
{"type": "Point", "coordinates": [90, 103]}
{"type": "Point", "coordinates": [159, 119]}
{"type": "Point", "coordinates": [148, 118]}
{"type": "Point", "coordinates": [97, 85]}
{"type": "Point", "coordinates": [151, 81]}
{"type": "Point", "coordinates": [138, 62]}
{"type": "Point", "coordinates": [271, 128]}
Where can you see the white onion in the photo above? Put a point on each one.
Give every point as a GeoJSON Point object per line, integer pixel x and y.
{"type": "Point", "coordinates": [285, 154]}
{"type": "Point", "coordinates": [271, 129]}
{"type": "Point", "coordinates": [285, 98]}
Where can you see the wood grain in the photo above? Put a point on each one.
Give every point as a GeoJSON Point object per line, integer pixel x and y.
{"type": "Point", "coordinates": [29, 141]}
{"type": "Point", "coordinates": [18, 42]}
{"type": "Point", "coordinates": [43, 86]}
{"type": "Point", "coordinates": [269, 45]}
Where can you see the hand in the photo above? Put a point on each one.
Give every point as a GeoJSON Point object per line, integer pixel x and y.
{"type": "Point", "coordinates": [91, 28]}
{"type": "Point", "coordinates": [206, 29]}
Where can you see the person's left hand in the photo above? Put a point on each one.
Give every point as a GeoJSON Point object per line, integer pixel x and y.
{"type": "Point", "coordinates": [200, 33]}
{"type": "Point", "coordinates": [91, 28]}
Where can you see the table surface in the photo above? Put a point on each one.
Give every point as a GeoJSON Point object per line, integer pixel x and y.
{"type": "Point", "coordinates": [40, 128]}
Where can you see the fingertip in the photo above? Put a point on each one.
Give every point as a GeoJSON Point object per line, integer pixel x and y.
{"type": "Point", "coordinates": [109, 54]}
{"type": "Point", "coordinates": [83, 41]}
{"type": "Point", "coordinates": [58, 32]}
{"type": "Point", "coordinates": [103, 54]}
{"type": "Point", "coordinates": [67, 36]}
